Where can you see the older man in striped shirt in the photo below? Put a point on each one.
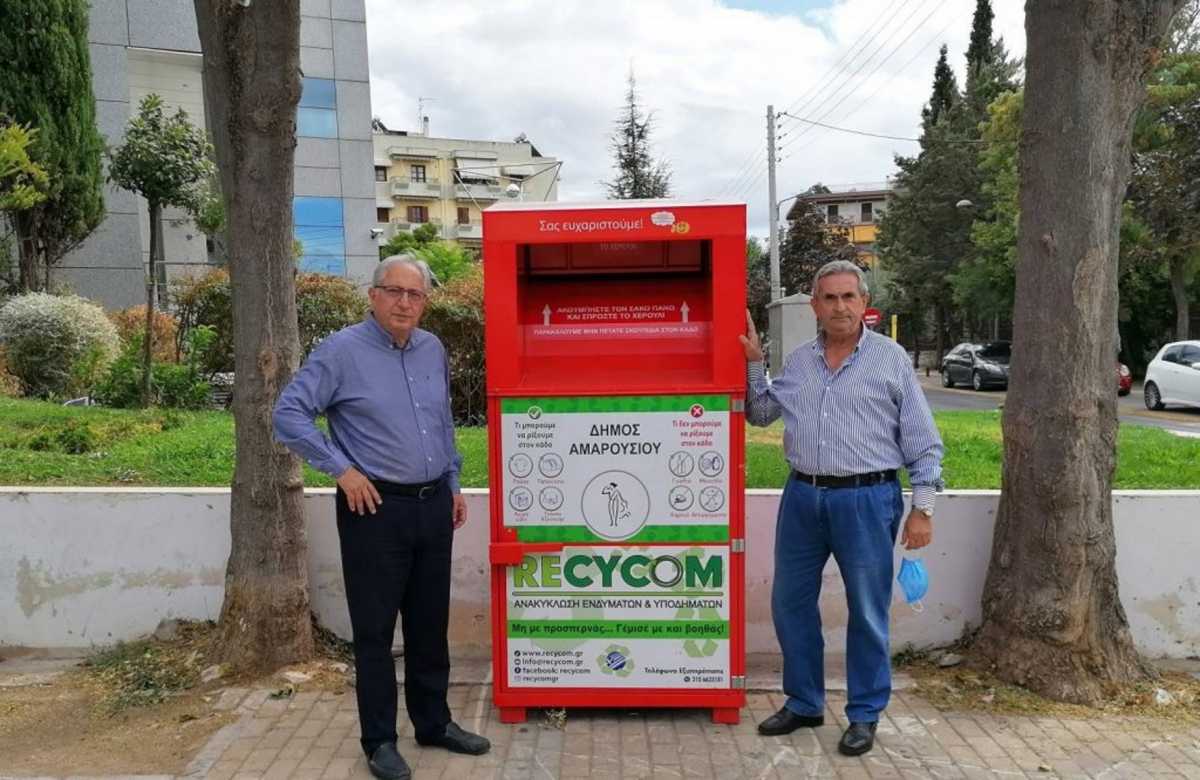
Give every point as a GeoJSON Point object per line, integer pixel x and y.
{"type": "Point", "coordinates": [853, 415]}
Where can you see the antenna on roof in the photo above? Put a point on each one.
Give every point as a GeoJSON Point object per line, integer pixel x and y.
{"type": "Point", "coordinates": [422, 120]}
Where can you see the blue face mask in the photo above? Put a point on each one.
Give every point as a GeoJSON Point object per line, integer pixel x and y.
{"type": "Point", "coordinates": [914, 581]}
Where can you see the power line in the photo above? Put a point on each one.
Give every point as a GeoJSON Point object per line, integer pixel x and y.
{"type": "Point", "coordinates": [882, 62]}
{"type": "Point", "coordinates": [834, 90]}
{"type": "Point", "coordinates": [881, 135]}
{"type": "Point", "coordinates": [748, 165]}
{"type": "Point", "coordinates": [920, 51]}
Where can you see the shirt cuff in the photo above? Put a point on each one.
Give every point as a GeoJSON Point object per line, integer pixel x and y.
{"type": "Point", "coordinates": [335, 466]}
{"type": "Point", "coordinates": [755, 372]}
{"type": "Point", "coordinates": [924, 496]}
{"type": "Point", "coordinates": [452, 479]}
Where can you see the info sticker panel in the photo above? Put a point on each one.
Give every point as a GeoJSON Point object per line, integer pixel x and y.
{"type": "Point", "coordinates": [619, 617]}
{"type": "Point", "coordinates": [616, 469]}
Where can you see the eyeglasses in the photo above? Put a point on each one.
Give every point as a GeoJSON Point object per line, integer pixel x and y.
{"type": "Point", "coordinates": [416, 296]}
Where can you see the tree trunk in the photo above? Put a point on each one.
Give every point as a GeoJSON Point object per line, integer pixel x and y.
{"type": "Point", "coordinates": [940, 337]}
{"type": "Point", "coordinates": [252, 88]}
{"type": "Point", "coordinates": [1052, 620]}
{"type": "Point", "coordinates": [27, 275]}
{"type": "Point", "coordinates": [1178, 272]}
{"type": "Point", "coordinates": [151, 284]}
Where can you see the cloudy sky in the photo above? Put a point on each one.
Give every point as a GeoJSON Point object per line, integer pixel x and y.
{"type": "Point", "coordinates": [556, 71]}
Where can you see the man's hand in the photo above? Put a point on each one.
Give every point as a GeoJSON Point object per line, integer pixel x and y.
{"type": "Point", "coordinates": [361, 495]}
{"type": "Point", "coordinates": [918, 531]}
{"type": "Point", "coordinates": [750, 343]}
{"type": "Point", "coordinates": [460, 511]}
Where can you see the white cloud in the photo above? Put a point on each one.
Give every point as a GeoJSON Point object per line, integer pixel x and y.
{"type": "Point", "coordinates": [556, 71]}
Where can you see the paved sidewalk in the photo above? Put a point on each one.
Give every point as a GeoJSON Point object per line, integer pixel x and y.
{"type": "Point", "coordinates": [315, 735]}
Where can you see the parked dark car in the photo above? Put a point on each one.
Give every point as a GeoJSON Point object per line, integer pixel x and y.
{"type": "Point", "coordinates": [978, 365]}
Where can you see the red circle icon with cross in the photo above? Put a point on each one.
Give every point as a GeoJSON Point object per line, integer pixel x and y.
{"type": "Point", "coordinates": [697, 410]}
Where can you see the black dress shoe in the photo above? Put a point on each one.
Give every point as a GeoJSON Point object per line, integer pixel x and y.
{"type": "Point", "coordinates": [785, 722]}
{"type": "Point", "coordinates": [386, 763]}
{"type": "Point", "coordinates": [858, 739]}
{"type": "Point", "coordinates": [456, 740]}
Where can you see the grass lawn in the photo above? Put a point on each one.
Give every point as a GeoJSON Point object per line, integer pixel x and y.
{"type": "Point", "coordinates": [48, 444]}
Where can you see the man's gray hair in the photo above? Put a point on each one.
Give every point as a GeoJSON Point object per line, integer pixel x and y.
{"type": "Point", "coordinates": [840, 267]}
{"type": "Point", "coordinates": [388, 263]}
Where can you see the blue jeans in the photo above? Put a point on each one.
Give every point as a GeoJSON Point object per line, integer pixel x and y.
{"type": "Point", "coordinates": [858, 526]}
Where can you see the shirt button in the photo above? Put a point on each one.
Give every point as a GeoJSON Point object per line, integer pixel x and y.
{"type": "Point", "coordinates": [423, 430]}
{"type": "Point", "coordinates": [429, 459]}
{"type": "Point", "coordinates": [417, 405]}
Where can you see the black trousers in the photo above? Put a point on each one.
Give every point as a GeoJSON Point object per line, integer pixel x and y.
{"type": "Point", "coordinates": [398, 560]}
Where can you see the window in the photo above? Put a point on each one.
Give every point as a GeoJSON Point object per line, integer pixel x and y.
{"type": "Point", "coordinates": [380, 173]}
{"type": "Point", "coordinates": [1172, 355]}
{"type": "Point", "coordinates": [464, 215]}
{"type": "Point", "coordinates": [418, 214]}
{"type": "Point", "coordinates": [417, 174]}
{"type": "Point", "coordinates": [320, 229]}
{"type": "Point", "coordinates": [868, 212]}
{"type": "Point", "coordinates": [999, 350]}
{"type": "Point", "coordinates": [317, 115]}
{"type": "Point", "coordinates": [831, 213]}
{"type": "Point", "coordinates": [1189, 356]}
{"type": "Point", "coordinates": [382, 215]}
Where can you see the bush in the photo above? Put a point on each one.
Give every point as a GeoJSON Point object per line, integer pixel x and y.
{"type": "Point", "coordinates": [56, 345]}
{"type": "Point", "coordinates": [455, 314]}
{"type": "Point", "coordinates": [324, 304]}
{"type": "Point", "coordinates": [172, 385]}
{"type": "Point", "coordinates": [206, 300]}
{"type": "Point", "coordinates": [131, 322]}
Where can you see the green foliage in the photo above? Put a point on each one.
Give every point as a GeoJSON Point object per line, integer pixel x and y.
{"type": "Point", "coordinates": [945, 91]}
{"type": "Point", "coordinates": [23, 183]}
{"type": "Point", "coordinates": [206, 300]}
{"type": "Point", "coordinates": [807, 246]}
{"type": "Point", "coordinates": [153, 447]}
{"type": "Point", "coordinates": [172, 385]}
{"type": "Point", "coordinates": [455, 314]}
{"type": "Point", "coordinates": [447, 261]}
{"type": "Point", "coordinates": [637, 176]}
{"type": "Point", "coordinates": [758, 283]}
{"type": "Point", "coordinates": [56, 345]}
{"type": "Point", "coordinates": [324, 304]}
{"type": "Point", "coordinates": [46, 84]}
{"type": "Point", "coordinates": [166, 160]}
{"type": "Point", "coordinates": [406, 243]}
{"type": "Point", "coordinates": [986, 280]}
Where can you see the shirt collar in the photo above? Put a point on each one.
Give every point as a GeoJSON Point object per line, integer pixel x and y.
{"type": "Point", "coordinates": [383, 338]}
{"type": "Point", "coordinates": [819, 342]}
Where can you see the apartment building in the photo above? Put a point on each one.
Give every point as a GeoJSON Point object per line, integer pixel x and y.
{"type": "Point", "coordinates": [447, 182]}
{"type": "Point", "coordinates": [140, 47]}
{"type": "Point", "coordinates": [852, 210]}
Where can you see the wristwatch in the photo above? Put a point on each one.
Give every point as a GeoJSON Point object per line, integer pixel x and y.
{"type": "Point", "coordinates": [926, 511]}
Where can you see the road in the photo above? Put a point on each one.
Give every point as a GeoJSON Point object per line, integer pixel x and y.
{"type": "Point", "coordinates": [1130, 409]}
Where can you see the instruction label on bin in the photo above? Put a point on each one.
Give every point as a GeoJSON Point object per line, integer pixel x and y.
{"type": "Point", "coordinates": [610, 617]}
{"type": "Point", "coordinates": [623, 468]}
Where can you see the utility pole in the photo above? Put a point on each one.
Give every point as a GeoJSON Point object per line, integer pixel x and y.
{"type": "Point", "coordinates": [772, 206]}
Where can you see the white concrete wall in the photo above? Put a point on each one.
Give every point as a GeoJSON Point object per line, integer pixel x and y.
{"type": "Point", "coordinates": [88, 567]}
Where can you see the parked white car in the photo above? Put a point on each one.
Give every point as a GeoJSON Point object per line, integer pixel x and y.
{"type": "Point", "coordinates": [1173, 377]}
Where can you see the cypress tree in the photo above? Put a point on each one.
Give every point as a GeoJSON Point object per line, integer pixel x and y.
{"type": "Point", "coordinates": [945, 91]}
{"type": "Point", "coordinates": [46, 84]}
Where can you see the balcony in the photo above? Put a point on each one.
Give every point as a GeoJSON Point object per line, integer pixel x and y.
{"type": "Point", "coordinates": [404, 226]}
{"type": "Point", "coordinates": [478, 191]}
{"type": "Point", "coordinates": [404, 188]}
{"type": "Point", "coordinates": [471, 231]}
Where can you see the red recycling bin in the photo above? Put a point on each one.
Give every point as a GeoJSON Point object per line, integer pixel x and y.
{"type": "Point", "coordinates": [615, 386]}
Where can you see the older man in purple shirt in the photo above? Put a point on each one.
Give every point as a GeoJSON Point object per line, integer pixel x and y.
{"type": "Point", "coordinates": [383, 386]}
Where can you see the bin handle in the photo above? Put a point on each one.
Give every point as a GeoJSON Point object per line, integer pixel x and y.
{"type": "Point", "coordinates": [511, 553]}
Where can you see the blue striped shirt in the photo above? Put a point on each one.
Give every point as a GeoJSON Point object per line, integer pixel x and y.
{"type": "Point", "coordinates": [388, 407]}
{"type": "Point", "coordinates": [868, 415]}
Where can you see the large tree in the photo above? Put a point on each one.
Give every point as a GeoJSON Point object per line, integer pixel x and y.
{"type": "Point", "coordinates": [252, 89]}
{"type": "Point", "coordinates": [637, 174]}
{"type": "Point", "coordinates": [46, 85]}
{"type": "Point", "coordinates": [809, 244]}
{"type": "Point", "coordinates": [1052, 618]}
{"type": "Point", "coordinates": [165, 159]}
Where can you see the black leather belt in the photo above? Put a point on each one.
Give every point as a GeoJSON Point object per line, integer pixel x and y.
{"type": "Point", "coordinates": [422, 490]}
{"type": "Point", "coordinates": [852, 480]}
